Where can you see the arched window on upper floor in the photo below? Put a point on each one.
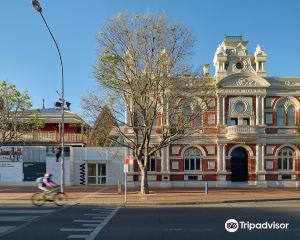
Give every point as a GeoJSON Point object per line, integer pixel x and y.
{"type": "Point", "coordinates": [186, 113]}
{"type": "Point", "coordinates": [291, 116]}
{"type": "Point", "coordinates": [280, 116]}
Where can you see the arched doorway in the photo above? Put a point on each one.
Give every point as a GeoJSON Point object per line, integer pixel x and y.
{"type": "Point", "coordinates": [239, 165]}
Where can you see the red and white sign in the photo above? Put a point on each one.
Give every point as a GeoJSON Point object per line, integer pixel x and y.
{"type": "Point", "coordinates": [126, 160]}
{"type": "Point", "coordinates": [125, 168]}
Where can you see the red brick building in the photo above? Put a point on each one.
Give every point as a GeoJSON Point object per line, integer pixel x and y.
{"type": "Point", "coordinates": [247, 137]}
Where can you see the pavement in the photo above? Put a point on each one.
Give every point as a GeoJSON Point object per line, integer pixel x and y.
{"type": "Point", "coordinates": [109, 195]}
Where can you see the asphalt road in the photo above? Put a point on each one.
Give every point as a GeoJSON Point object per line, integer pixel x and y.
{"type": "Point", "coordinates": [144, 223]}
{"type": "Point", "coordinates": [183, 223]}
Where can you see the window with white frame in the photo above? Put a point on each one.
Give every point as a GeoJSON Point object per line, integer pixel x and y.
{"type": "Point", "coordinates": [192, 159]}
{"type": "Point", "coordinates": [151, 164]}
{"type": "Point", "coordinates": [285, 159]}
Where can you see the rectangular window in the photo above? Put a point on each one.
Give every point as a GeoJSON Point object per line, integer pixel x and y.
{"type": "Point", "coordinates": [246, 121]}
{"type": "Point", "coordinates": [187, 164]}
{"type": "Point", "coordinates": [279, 164]}
{"type": "Point", "coordinates": [232, 121]}
{"type": "Point", "coordinates": [191, 178]}
{"type": "Point", "coordinates": [151, 164]}
{"type": "Point", "coordinates": [286, 177]}
{"type": "Point", "coordinates": [192, 164]}
{"type": "Point", "coordinates": [96, 173]}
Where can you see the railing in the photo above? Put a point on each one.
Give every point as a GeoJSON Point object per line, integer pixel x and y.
{"type": "Point", "coordinates": [243, 131]}
{"type": "Point", "coordinates": [237, 129]}
{"type": "Point", "coordinates": [51, 137]}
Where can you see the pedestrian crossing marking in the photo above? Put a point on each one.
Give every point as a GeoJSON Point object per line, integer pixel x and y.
{"type": "Point", "coordinates": [78, 236]}
{"type": "Point", "coordinates": [90, 225]}
{"type": "Point", "coordinates": [5, 228]}
{"type": "Point", "coordinates": [76, 229]}
{"type": "Point", "coordinates": [98, 221]}
{"type": "Point", "coordinates": [16, 218]}
{"type": "Point", "coordinates": [26, 211]}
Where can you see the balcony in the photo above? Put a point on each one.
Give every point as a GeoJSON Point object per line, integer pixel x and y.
{"type": "Point", "coordinates": [244, 132]}
{"type": "Point", "coordinates": [51, 137]}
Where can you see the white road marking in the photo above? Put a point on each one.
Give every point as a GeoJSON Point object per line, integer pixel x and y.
{"type": "Point", "coordinates": [86, 221]}
{"type": "Point", "coordinates": [26, 211]}
{"type": "Point", "coordinates": [94, 234]}
{"type": "Point", "coordinates": [90, 225]}
{"type": "Point", "coordinates": [76, 229]}
{"type": "Point", "coordinates": [5, 228]}
{"type": "Point", "coordinates": [78, 236]}
{"type": "Point", "coordinates": [16, 218]}
{"type": "Point", "coordinates": [103, 210]}
{"type": "Point", "coordinates": [95, 214]}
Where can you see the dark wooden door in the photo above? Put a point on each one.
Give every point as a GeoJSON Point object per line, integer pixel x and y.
{"type": "Point", "coordinates": [239, 165]}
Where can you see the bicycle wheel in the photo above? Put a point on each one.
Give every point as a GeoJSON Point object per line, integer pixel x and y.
{"type": "Point", "coordinates": [60, 199]}
{"type": "Point", "coordinates": [38, 199]}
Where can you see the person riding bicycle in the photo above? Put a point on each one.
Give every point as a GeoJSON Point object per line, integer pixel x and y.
{"type": "Point", "coordinates": [46, 183]}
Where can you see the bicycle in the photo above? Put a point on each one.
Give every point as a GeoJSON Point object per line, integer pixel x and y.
{"type": "Point", "coordinates": [53, 195]}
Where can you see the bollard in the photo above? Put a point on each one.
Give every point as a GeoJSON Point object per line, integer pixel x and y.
{"type": "Point", "coordinates": [119, 187]}
{"type": "Point", "coordinates": [206, 187]}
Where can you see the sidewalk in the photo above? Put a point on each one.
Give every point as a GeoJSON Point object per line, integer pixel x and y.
{"type": "Point", "coordinates": [158, 196]}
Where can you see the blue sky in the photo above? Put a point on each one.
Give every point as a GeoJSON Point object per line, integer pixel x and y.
{"type": "Point", "coordinates": [29, 59]}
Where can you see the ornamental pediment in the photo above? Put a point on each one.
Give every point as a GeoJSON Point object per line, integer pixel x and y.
{"type": "Point", "coordinates": [243, 80]}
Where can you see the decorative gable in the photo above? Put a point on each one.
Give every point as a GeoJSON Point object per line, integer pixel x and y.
{"type": "Point", "coordinates": [243, 80]}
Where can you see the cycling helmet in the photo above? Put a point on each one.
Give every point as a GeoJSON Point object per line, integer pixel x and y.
{"type": "Point", "coordinates": [48, 174]}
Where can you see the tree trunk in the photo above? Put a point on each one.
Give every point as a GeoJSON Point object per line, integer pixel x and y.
{"type": "Point", "coordinates": [144, 182]}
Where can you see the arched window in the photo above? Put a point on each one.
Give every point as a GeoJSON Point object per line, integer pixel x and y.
{"type": "Point", "coordinates": [192, 159]}
{"type": "Point", "coordinates": [285, 159]}
{"type": "Point", "coordinates": [291, 116]}
{"type": "Point", "coordinates": [280, 116]}
{"type": "Point", "coordinates": [198, 116]}
{"type": "Point", "coordinates": [186, 112]}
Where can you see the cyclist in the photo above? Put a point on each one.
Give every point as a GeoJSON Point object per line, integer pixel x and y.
{"type": "Point", "coordinates": [46, 183]}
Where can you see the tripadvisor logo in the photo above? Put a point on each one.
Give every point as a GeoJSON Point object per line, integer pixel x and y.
{"type": "Point", "coordinates": [232, 225]}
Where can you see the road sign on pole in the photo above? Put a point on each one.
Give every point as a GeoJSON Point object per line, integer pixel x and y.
{"type": "Point", "coordinates": [126, 164]}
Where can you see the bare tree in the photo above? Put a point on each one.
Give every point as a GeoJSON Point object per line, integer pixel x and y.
{"type": "Point", "coordinates": [144, 81]}
{"type": "Point", "coordinates": [15, 119]}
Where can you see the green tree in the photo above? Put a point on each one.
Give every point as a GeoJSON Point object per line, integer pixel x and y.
{"type": "Point", "coordinates": [15, 119]}
{"type": "Point", "coordinates": [144, 81]}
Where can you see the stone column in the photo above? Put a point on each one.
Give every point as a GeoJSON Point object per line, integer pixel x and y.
{"type": "Point", "coordinates": [262, 110]}
{"type": "Point", "coordinates": [263, 158]}
{"type": "Point", "coordinates": [257, 158]}
{"type": "Point", "coordinates": [220, 158]}
{"type": "Point", "coordinates": [219, 111]}
{"type": "Point", "coordinates": [224, 158]}
{"type": "Point", "coordinates": [165, 159]}
{"type": "Point", "coordinates": [223, 110]}
{"type": "Point", "coordinates": [257, 115]}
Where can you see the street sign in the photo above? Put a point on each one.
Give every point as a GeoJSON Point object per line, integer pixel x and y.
{"type": "Point", "coordinates": [125, 168]}
{"type": "Point", "coordinates": [126, 160]}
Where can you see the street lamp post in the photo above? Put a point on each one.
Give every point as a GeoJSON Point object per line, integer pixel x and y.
{"type": "Point", "coordinates": [38, 8]}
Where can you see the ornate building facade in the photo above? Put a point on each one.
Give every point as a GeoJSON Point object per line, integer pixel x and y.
{"type": "Point", "coordinates": [248, 136]}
